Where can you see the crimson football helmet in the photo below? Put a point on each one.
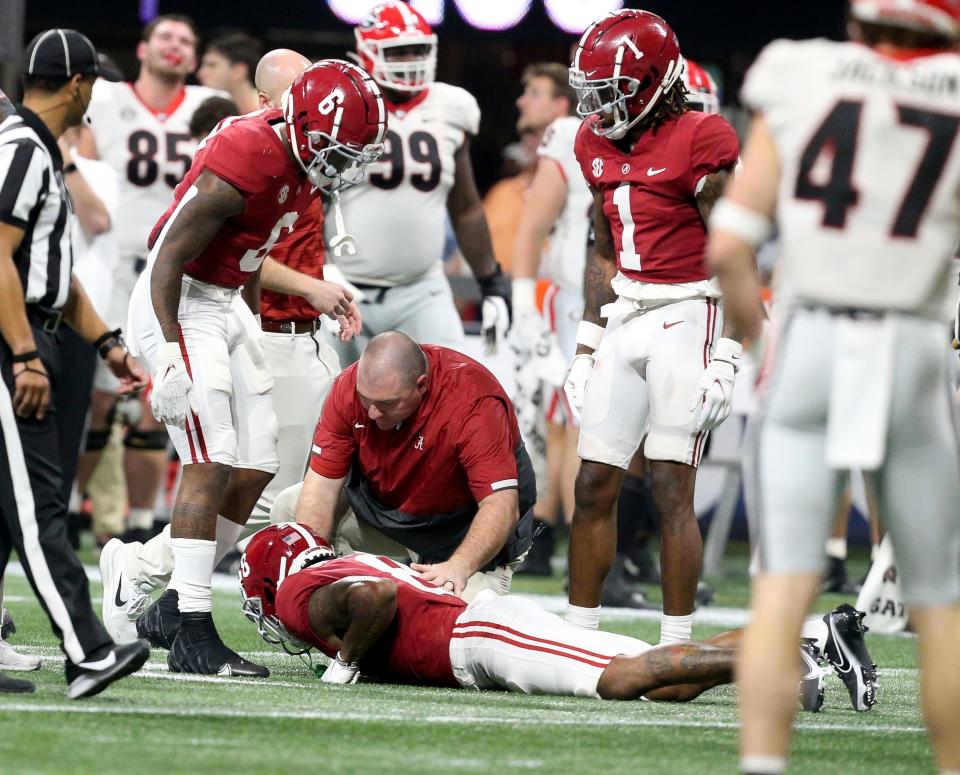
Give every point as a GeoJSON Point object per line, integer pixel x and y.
{"type": "Point", "coordinates": [336, 122]}
{"type": "Point", "coordinates": [271, 555]}
{"type": "Point", "coordinates": [623, 64]}
{"type": "Point", "coordinates": [941, 17]}
{"type": "Point", "coordinates": [390, 26]}
{"type": "Point", "coordinates": [702, 89]}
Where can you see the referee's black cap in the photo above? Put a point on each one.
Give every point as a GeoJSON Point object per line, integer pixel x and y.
{"type": "Point", "coordinates": [61, 53]}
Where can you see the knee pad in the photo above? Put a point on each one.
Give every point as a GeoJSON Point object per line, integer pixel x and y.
{"type": "Point", "coordinates": [148, 441]}
{"type": "Point", "coordinates": [97, 440]}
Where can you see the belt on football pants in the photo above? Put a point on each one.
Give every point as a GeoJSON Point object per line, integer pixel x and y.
{"type": "Point", "coordinates": [301, 326]}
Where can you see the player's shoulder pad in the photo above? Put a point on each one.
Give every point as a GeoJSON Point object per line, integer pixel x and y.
{"type": "Point", "coordinates": [777, 65]}
{"type": "Point", "coordinates": [246, 153]}
{"type": "Point", "coordinates": [559, 137]}
{"type": "Point", "coordinates": [459, 106]}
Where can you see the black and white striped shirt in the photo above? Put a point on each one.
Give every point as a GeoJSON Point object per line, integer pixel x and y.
{"type": "Point", "coordinates": [33, 198]}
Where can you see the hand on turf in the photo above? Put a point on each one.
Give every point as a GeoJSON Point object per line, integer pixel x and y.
{"type": "Point", "coordinates": [340, 672]}
{"type": "Point", "coordinates": [713, 398]}
{"type": "Point", "coordinates": [449, 575]}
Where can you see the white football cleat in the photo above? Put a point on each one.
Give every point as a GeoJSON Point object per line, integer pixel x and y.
{"type": "Point", "coordinates": [123, 602]}
{"type": "Point", "coordinates": [14, 660]}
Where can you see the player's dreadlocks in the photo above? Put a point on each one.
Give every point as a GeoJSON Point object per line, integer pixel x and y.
{"type": "Point", "coordinates": [672, 103]}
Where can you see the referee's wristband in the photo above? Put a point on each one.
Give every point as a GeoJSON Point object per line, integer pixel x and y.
{"type": "Point", "coordinates": [589, 334]}
{"type": "Point", "coordinates": [68, 168]}
{"type": "Point", "coordinates": [107, 341]}
{"type": "Point", "coordinates": [26, 357]}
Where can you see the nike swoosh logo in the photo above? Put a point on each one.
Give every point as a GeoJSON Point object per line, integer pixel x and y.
{"type": "Point", "coordinates": [116, 598]}
{"type": "Point", "coordinates": [671, 325]}
{"type": "Point", "coordinates": [844, 665]}
{"type": "Point", "coordinates": [359, 425]}
{"type": "Point", "coordinates": [651, 171]}
{"type": "Point", "coordinates": [102, 664]}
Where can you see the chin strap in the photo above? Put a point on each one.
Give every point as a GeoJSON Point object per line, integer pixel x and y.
{"type": "Point", "coordinates": [343, 244]}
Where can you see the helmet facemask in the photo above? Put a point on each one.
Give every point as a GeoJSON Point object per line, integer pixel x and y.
{"type": "Point", "coordinates": [270, 629]}
{"type": "Point", "coordinates": [335, 166]}
{"type": "Point", "coordinates": [406, 75]}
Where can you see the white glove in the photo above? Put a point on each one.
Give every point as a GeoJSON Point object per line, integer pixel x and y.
{"type": "Point", "coordinates": [494, 322]}
{"type": "Point", "coordinates": [575, 384]}
{"type": "Point", "coordinates": [172, 394]}
{"type": "Point", "coordinates": [714, 396]}
{"type": "Point", "coordinates": [340, 672]}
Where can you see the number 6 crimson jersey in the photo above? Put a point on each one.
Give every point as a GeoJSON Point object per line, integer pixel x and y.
{"type": "Point", "coordinates": [247, 152]}
{"type": "Point", "coordinates": [649, 193]}
{"type": "Point", "coordinates": [150, 150]}
{"type": "Point", "coordinates": [868, 202]}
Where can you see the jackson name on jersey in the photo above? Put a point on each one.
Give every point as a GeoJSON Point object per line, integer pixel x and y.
{"type": "Point", "coordinates": [869, 172]}
{"type": "Point", "coordinates": [397, 214]}
{"type": "Point", "coordinates": [150, 150]}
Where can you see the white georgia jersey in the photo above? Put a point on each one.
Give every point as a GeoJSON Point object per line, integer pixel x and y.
{"type": "Point", "coordinates": [151, 152]}
{"type": "Point", "coordinates": [566, 254]}
{"type": "Point", "coordinates": [869, 199]}
{"type": "Point", "coordinates": [397, 214]}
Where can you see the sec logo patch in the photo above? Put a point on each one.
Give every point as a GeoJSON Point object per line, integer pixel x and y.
{"type": "Point", "coordinates": [625, 169]}
{"type": "Point", "coordinates": [597, 167]}
{"type": "Point", "coordinates": [284, 193]}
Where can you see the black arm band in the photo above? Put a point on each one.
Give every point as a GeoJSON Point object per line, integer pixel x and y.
{"type": "Point", "coordinates": [107, 341]}
{"type": "Point", "coordinates": [68, 168]}
{"type": "Point", "coordinates": [27, 356]}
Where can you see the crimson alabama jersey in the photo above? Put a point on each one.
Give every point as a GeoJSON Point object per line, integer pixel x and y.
{"type": "Point", "coordinates": [415, 647]}
{"type": "Point", "coordinates": [649, 193]}
{"type": "Point", "coordinates": [246, 152]}
{"type": "Point", "coordinates": [150, 150]}
{"type": "Point", "coordinates": [458, 447]}
{"type": "Point", "coordinates": [303, 251]}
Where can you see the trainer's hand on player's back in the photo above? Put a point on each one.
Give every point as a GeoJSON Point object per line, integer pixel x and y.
{"type": "Point", "coordinates": [449, 575]}
{"type": "Point", "coordinates": [31, 396]}
{"type": "Point", "coordinates": [336, 302]}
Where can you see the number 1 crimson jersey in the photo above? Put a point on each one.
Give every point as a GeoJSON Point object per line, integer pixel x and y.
{"type": "Point", "coordinates": [247, 152]}
{"type": "Point", "coordinates": [649, 193]}
{"type": "Point", "coordinates": [415, 648]}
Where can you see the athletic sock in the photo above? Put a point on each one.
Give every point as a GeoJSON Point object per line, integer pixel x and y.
{"type": "Point", "coordinates": [837, 548]}
{"type": "Point", "coordinates": [227, 534]}
{"type": "Point", "coordinates": [675, 629]}
{"type": "Point", "coordinates": [816, 629]}
{"type": "Point", "coordinates": [581, 616]}
{"type": "Point", "coordinates": [763, 765]}
{"type": "Point", "coordinates": [140, 519]}
{"type": "Point", "coordinates": [193, 573]}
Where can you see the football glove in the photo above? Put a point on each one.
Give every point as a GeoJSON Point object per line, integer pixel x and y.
{"type": "Point", "coordinates": [171, 397]}
{"type": "Point", "coordinates": [495, 309]}
{"type": "Point", "coordinates": [714, 395]}
{"type": "Point", "coordinates": [340, 672]}
{"type": "Point", "coordinates": [575, 384]}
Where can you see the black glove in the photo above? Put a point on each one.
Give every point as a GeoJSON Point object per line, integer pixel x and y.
{"type": "Point", "coordinates": [496, 311]}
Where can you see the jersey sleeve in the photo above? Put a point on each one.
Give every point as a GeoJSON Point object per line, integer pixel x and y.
{"type": "Point", "coordinates": [557, 145]}
{"type": "Point", "coordinates": [462, 108]}
{"type": "Point", "coordinates": [240, 157]}
{"type": "Point", "coordinates": [21, 181]}
{"type": "Point", "coordinates": [766, 79]}
{"type": "Point", "coordinates": [333, 444]}
{"type": "Point", "coordinates": [713, 147]}
{"type": "Point", "coordinates": [486, 449]}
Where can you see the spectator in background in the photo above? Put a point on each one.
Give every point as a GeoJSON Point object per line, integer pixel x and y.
{"type": "Point", "coordinates": [228, 64]}
{"type": "Point", "coordinates": [546, 95]}
{"type": "Point", "coordinates": [210, 113]}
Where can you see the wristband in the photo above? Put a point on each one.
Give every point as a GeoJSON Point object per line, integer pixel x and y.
{"type": "Point", "coordinates": [746, 224]}
{"type": "Point", "coordinates": [107, 341]}
{"type": "Point", "coordinates": [68, 168]}
{"type": "Point", "coordinates": [589, 334]}
{"type": "Point", "coordinates": [524, 296]}
{"type": "Point", "coordinates": [25, 357]}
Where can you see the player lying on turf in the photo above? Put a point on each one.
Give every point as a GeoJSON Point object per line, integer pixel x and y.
{"type": "Point", "coordinates": [373, 616]}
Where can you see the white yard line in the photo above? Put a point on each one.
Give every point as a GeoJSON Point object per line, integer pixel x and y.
{"type": "Point", "coordinates": [539, 720]}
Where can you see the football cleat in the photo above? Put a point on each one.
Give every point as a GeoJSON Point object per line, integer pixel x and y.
{"type": "Point", "coordinates": [198, 649]}
{"type": "Point", "coordinates": [123, 603]}
{"type": "Point", "coordinates": [93, 676]}
{"type": "Point", "coordinates": [812, 685]}
{"type": "Point", "coordinates": [161, 621]}
{"type": "Point", "coordinates": [7, 627]}
{"type": "Point", "coordinates": [10, 685]}
{"type": "Point", "coordinates": [13, 660]}
{"type": "Point", "coordinates": [846, 651]}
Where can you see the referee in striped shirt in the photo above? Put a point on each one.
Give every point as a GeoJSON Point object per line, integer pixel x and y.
{"type": "Point", "coordinates": [38, 294]}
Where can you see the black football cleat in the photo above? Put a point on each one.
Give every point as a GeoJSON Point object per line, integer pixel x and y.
{"type": "Point", "coordinates": [161, 621]}
{"type": "Point", "coordinates": [198, 649]}
{"type": "Point", "coordinates": [836, 580]}
{"type": "Point", "coordinates": [537, 560]}
{"type": "Point", "coordinates": [812, 685]}
{"type": "Point", "coordinates": [7, 627]}
{"type": "Point", "coordinates": [93, 676]}
{"type": "Point", "coordinates": [10, 685]}
{"type": "Point", "coordinates": [619, 592]}
{"type": "Point", "coordinates": [846, 651]}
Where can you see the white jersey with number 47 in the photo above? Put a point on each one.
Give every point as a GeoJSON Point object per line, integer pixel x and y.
{"type": "Point", "coordinates": [397, 214]}
{"type": "Point", "coordinates": [150, 150]}
{"type": "Point", "coordinates": [869, 199]}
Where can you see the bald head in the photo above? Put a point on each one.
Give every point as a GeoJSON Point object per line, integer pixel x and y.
{"type": "Point", "coordinates": [275, 72]}
{"type": "Point", "coordinates": [391, 378]}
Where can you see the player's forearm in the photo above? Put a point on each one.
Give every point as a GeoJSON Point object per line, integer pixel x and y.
{"type": "Point", "coordinates": [528, 248]}
{"type": "Point", "coordinates": [165, 285]}
{"type": "Point", "coordinates": [732, 262]}
{"type": "Point", "coordinates": [91, 212]}
{"type": "Point", "coordinates": [473, 237]}
{"type": "Point", "coordinates": [371, 607]}
{"type": "Point", "coordinates": [280, 278]}
{"type": "Point", "coordinates": [81, 315]}
{"type": "Point", "coordinates": [13, 312]}
{"type": "Point", "coordinates": [489, 531]}
{"type": "Point", "coordinates": [597, 290]}
{"type": "Point", "coordinates": [317, 505]}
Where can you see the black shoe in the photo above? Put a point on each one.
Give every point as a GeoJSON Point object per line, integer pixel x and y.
{"type": "Point", "coordinates": [7, 627]}
{"type": "Point", "coordinates": [10, 685]}
{"type": "Point", "coordinates": [836, 580]}
{"type": "Point", "coordinates": [704, 594]}
{"type": "Point", "coordinates": [137, 535]}
{"type": "Point", "coordinates": [230, 564]}
{"type": "Point", "coordinates": [161, 621]}
{"type": "Point", "coordinates": [640, 565]}
{"type": "Point", "coordinates": [93, 676]}
{"type": "Point", "coordinates": [198, 649]}
{"type": "Point", "coordinates": [811, 683]}
{"type": "Point", "coordinates": [537, 561]}
{"type": "Point", "coordinates": [619, 592]}
{"type": "Point", "coordinates": [846, 650]}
